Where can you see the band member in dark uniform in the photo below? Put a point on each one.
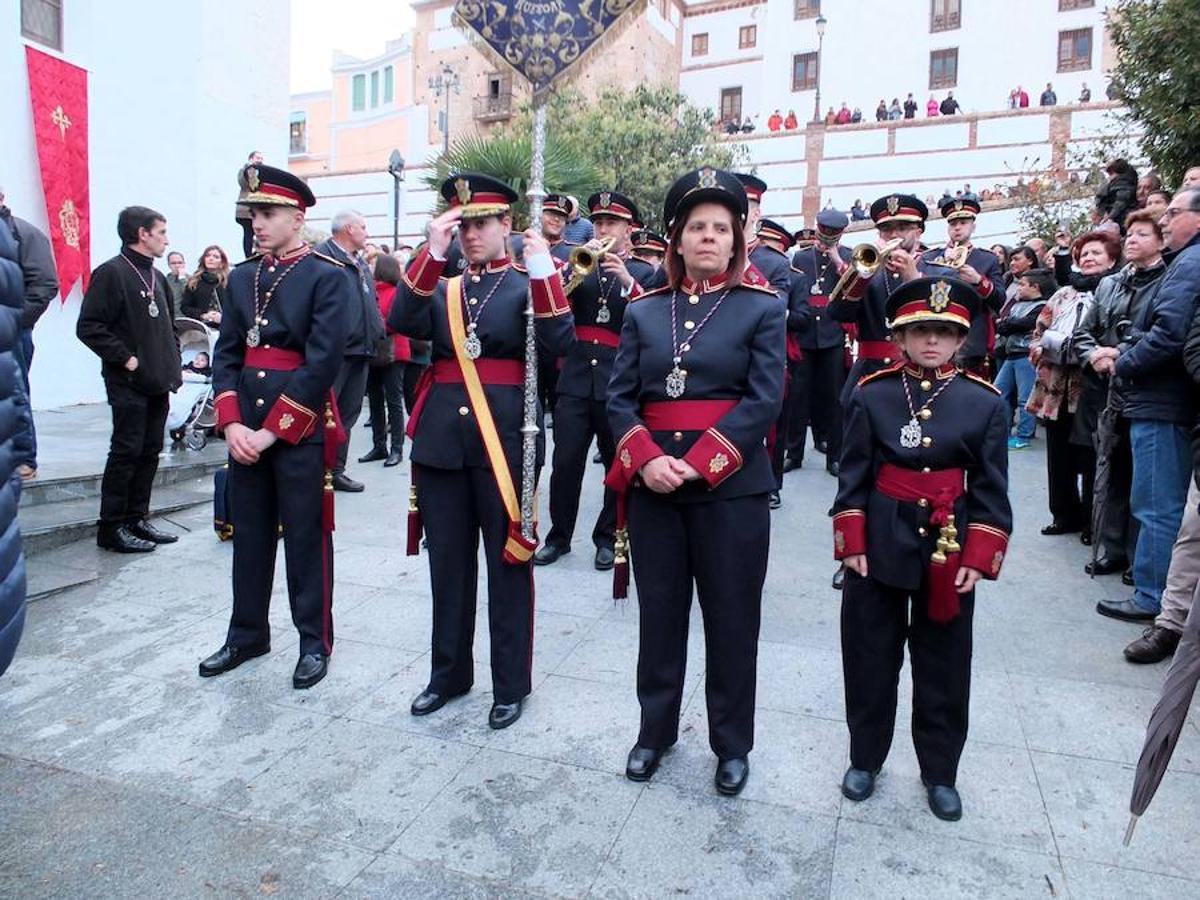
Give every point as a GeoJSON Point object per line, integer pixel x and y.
{"type": "Point", "coordinates": [978, 267]}
{"type": "Point", "coordinates": [556, 208]}
{"type": "Point", "coordinates": [805, 238]}
{"type": "Point", "coordinates": [818, 371]}
{"type": "Point", "coordinates": [466, 433]}
{"type": "Point", "coordinates": [772, 264]}
{"type": "Point", "coordinates": [598, 304]}
{"type": "Point", "coordinates": [924, 464]}
{"type": "Point", "coordinates": [649, 247]}
{"type": "Point", "coordinates": [697, 384]}
{"type": "Point", "coordinates": [774, 238]}
{"type": "Point", "coordinates": [282, 336]}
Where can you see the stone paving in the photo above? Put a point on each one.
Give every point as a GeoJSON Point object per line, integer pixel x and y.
{"type": "Point", "coordinates": [122, 774]}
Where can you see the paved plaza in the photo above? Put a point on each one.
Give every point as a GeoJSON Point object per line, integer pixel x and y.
{"type": "Point", "coordinates": [122, 774]}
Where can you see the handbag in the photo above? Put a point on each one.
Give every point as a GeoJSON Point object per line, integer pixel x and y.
{"type": "Point", "coordinates": [1058, 341]}
{"type": "Point", "coordinates": [385, 352]}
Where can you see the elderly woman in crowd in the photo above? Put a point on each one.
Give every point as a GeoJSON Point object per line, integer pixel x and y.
{"type": "Point", "coordinates": [1070, 463]}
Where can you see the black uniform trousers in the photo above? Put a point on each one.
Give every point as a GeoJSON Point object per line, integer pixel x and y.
{"type": "Point", "coordinates": [137, 439]}
{"type": "Point", "coordinates": [721, 546]}
{"type": "Point", "coordinates": [385, 400]}
{"type": "Point", "coordinates": [817, 382]}
{"type": "Point", "coordinates": [1071, 473]}
{"type": "Point", "coordinates": [285, 487]}
{"type": "Point", "coordinates": [576, 422]}
{"type": "Point", "coordinates": [457, 505]}
{"type": "Point", "coordinates": [350, 388]}
{"type": "Point", "coordinates": [877, 621]}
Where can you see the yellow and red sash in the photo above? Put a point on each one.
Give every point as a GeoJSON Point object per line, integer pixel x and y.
{"type": "Point", "coordinates": [517, 550]}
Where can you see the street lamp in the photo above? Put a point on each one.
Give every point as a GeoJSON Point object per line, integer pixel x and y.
{"type": "Point", "coordinates": [442, 83]}
{"type": "Point", "coordinates": [821, 22]}
{"type": "Point", "coordinates": [396, 170]}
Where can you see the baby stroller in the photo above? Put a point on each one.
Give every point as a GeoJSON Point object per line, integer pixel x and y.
{"type": "Point", "coordinates": [191, 417]}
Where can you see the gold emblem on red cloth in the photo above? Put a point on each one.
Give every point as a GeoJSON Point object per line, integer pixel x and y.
{"type": "Point", "coordinates": [939, 296]}
{"type": "Point", "coordinates": [626, 458]}
{"type": "Point", "coordinates": [718, 463]}
{"type": "Point", "coordinates": [68, 220]}
{"type": "Point", "coordinates": [61, 121]}
{"type": "Point", "coordinates": [286, 421]}
{"type": "Point", "coordinates": [252, 179]}
{"type": "Point", "coordinates": [893, 204]}
{"type": "Point", "coordinates": [996, 561]}
{"type": "Point", "coordinates": [839, 541]}
{"type": "Point", "coordinates": [463, 188]}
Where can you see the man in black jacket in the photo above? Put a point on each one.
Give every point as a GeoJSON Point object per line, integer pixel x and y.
{"type": "Point", "coordinates": [364, 330]}
{"type": "Point", "coordinates": [127, 319]}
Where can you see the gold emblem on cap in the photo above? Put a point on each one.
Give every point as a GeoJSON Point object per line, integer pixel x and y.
{"type": "Point", "coordinates": [252, 179]}
{"type": "Point", "coordinates": [463, 188]}
{"type": "Point", "coordinates": [707, 177]}
{"type": "Point", "coordinates": [939, 296]}
{"type": "Point", "coordinates": [893, 204]}
{"type": "Point", "coordinates": [958, 206]}
{"type": "Point", "coordinates": [605, 200]}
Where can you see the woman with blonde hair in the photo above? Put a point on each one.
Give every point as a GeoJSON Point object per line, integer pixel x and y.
{"type": "Point", "coordinates": [204, 293]}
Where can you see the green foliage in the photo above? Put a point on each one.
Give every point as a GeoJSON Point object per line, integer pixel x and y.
{"type": "Point", "coordinates": [1158, 76]}
{"type": "Point", "coordinates": [508, 157]}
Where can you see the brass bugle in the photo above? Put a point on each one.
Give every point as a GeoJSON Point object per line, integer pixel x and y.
{"type": "Point", "coordinates": [584, 259]}
{"type": "Point", "coordinates": [865, 261]}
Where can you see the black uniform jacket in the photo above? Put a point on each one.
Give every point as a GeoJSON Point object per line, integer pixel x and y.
{"type": "Point", "coordinates": [814, 326]}
{"type": "Point", "coordinates": [588, 366]}
{"type": "Point", "coordinates": [773, 265]}
{"type": "Point", "coordinates": [968, 430]}
{"type": "Point", "coordinates": [447, 434]}
{"type": "Point", "coordinates": [990, 290]}
{"type": "Point", "coordinates": [739, 355]}
{"type": "Point", "coordinates": [306, 315]}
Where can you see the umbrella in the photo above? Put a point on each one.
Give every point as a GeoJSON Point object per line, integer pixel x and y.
{"type": "Point", "coordinates": [1166, 722]}
{"type": "Point", "coordinates": [1106, 440]}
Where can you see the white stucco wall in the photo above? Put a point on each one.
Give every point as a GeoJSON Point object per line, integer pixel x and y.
{"type": "Point", "coordinates": [179, 94]}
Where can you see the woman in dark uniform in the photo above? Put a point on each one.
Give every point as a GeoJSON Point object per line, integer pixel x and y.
{"type": "Point", "coordinates": [696, 384]}
{"type": "Point", "coordinates": [924, 463]}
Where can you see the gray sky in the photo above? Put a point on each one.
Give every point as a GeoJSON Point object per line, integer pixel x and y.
{"type": "Point", "coordinates": [358, 27]}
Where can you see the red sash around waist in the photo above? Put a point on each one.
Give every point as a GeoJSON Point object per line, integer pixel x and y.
{"type": "Point", "coordinates": [881, 350]}
{"type": "Point", "coordinates": [597, 335]}
{"type": "Point", "coordinates": [818, 301]}
{"type": "Point", "coordinates": [274, 358]}
{"type": "Point", "coordinates": [685, 415]}
{"type": "Point", "coordinates": [447, 371]}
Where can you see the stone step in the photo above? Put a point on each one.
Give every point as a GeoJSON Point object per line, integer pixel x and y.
{"type": "Point", "coordinates": [174, 467]}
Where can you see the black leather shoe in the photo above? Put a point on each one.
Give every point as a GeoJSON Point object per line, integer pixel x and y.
{"type": "Point", "coordinates": [344, 482]}
{"type": "Point", "coordinates": [1125, 610]}
{"type": "Point", "coordinates": [791, 463]}
{"type": "Point", "coordinates": [504, 714]}
{"type": "Point", "coordinates": [839, 578]}
{"type": "Point", "coordinates": [1127, 578]}
{"type": "Point", "coordinates": [122, 540]}
{"type": "Point", "coordinates": [774, 501]}
{"type": "Point", "coordinates": [148, 532]}
{"type": "Point", "coordinates": [1085, 538]}
{"type": "Point", "coordinates": [1105, 566]}
{"type": "Point", "coordinates": [642, 763]}
{"type": "Point", "coordinates": [228, 658]}
{"type": "Point", "coordinates": [834, 468]}
{"type": "Point", "coordinates": [597, 458]}
{"type": "Point", "coordinates": [1059, 528]}
{"type": "Point", "coordinates": [375, 454]}
{"type": "Point", "coordinates": [858, 784]}
{"type": "Point", "coordinates": [310, 669]}
{"type": "Point", "coordinates": [429, 701]}
{"type": "Point", "coordinates": [1155, 645]}
{"type": "Point", "coordinates": [944, 802]}
{"type": "Point", "coordinates": [731, 775]}
{"type": "Point", "coordinates": [605, 558]}
{"type": "Point", "coordinates": [394, 459]}
{"type": "Point", "coordinates": [547, 554]}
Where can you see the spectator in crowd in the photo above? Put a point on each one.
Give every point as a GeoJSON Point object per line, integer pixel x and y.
{"type": "Point", "coordinates": [1159, 402]}
{"type": "Point", "coordinates": [1070, 459]}
{"type": "Point", "coordinates": [775, 121]}
{"type": "Point", "coordinates": [1001, 253]}
{"type": "Point", "coordinates": [578, 229]}
{"type": "Point", "coordinates": [1191, 178]}
{"type": "Point", "coordinates": [791, 123]}
{"type": "Point", "coordinates": [176, 276]}
{"type": "Point", "coordinates": [1045, 259]}
{"type": "Point", "coordinates": [1085, 94]}
{"type": "Point", "coordinates": [831, 117]}
{"type": "Point", "coordinates": [403, 253]}
{"type": "Point", "coordinates": [204, 292]}
{"type": "Point", "coordinates": [1014, 331]}
{"type": "Point", "coordinates": [910, 107]}
{"type": "Point", "coordinates": [894, 111]}
{"type": "Point", "coordinates": [731, 125]}
{"type": "Point", "coordinates": [932, 108]}
{"type": "Point", "coordinates": [1012, 99]}
{"type": "Point", "coordinates": [1020, 261]}
{"type": "Point", "coordinates": [242, 211]}
{"type": "Point", "coordinates": [747, 126]}
{"type": "Point", "coordinates": [1104, 333]}
{"type": "Point", "coordinates": [843, 115]}
{"type": "Point", "coordinates": [385, 376]}
{"type": "Point", "coordinates": [857, 212]}
{"type": "Point", "coordinates": [1022, 97]}
{"type": "Point", "coordinates": [1111, 92]}
{"type": "Point", "coordinates": [14, 295]}
{"type": "Point", "coordinates": [1118, 195]}
{"type": "Point", "coordinates": [856, 116]}
{"type": "Point", "coordinates": [1157, 203]}
{"type": "Point", "coordinates": [881, 112]}
{"type": "Point", "coordinates": [950, 106]}
{"type": "Point", "coordinates": [1147, 183]}
{"type": "Point", "coordinates": [40, 278]}
{"type": "Point", "coordinates": [1048, 98]}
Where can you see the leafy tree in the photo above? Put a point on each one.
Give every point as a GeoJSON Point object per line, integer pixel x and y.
{"type": "Point", "coordinates": [1158, 76]}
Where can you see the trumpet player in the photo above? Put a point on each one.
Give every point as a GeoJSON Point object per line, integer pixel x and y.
{"type": "Point", "coordinates": [979, 268]}
{"type": "Point", "coordinates": [598, 303]}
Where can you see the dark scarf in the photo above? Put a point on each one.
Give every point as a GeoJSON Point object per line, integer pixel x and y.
{"type": "Point", "coordinates": [1087, 283]}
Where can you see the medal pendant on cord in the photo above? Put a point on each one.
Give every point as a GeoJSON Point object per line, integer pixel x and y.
{"type": "Point", "coordinates": [910, 434]}
{"type": "Point", "coordinates": [676, 381]}
{"type": "Point", "coordinates": [472, 346]}
{"type": "Point", "coordinates": [253, 337]}
{"type": "Point", "coordinates": [152, 308]}
{"type": "Point", "coordinates": [815, 290]}
{"type": "Point", "coordinates": [603, 316]}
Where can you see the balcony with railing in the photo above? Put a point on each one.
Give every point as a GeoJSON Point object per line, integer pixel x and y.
{"type": "Point", "coordinates": [494, 107]}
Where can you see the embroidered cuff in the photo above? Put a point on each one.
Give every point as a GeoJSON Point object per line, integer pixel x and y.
{"type": "Point", "coordinates": [634, 450]}
{"type": "Point", "coordinates": [714, 456]}
{"type": "Point", "coordinates": [228, 409]}
{"type": "Point", "coordinates": [849, 533]}
{"type": "Point", "coordinates": [984, 549]}
{"type": "Point", "coordinates": [289, 420]}
{"type": "Point", "coordinates": [635, 291]}
{"type": "Point", "coordinates": [985, 286]}
{"type": "Point", "coordinates": [423, 273]}
{"type": "Point", "coordinates": [549, 299]}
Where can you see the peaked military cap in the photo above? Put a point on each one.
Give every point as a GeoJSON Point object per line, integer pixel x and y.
{"type": "Point", "coordinates": [770, 230]}
{"type": "Point", "coordinates": [898, 208]}
{"type": "Point", "coordinates": [754, 186]}
{"type": "Point", "coordinates": [612, 203]}
{"type": "Point", "coordinates": [806, 237]}
{"type": "Point", "coordinates": [704, 185]}
{"type": "Point", "coordinates": [830, 225]}
{"type": "Point", "coordinates": [477, 195]}
{"type": "Point", "coordinates": [269, 186]}
{"type": "Point", "coordinates": [948, 300]}
{"type": "Point", "coordinates": [959, 208]}
{"type": "Point", "coordinates": [557, 203]}
{"type": "Point", "coordinates": [646, 240]}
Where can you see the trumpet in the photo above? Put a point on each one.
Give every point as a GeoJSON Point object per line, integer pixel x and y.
{"type": "Point", "coordinates": [584, 259]}
{"type": "Point", "coordinates": [953, 256]}
{"type": "Point", "coordinates": [865, 261]}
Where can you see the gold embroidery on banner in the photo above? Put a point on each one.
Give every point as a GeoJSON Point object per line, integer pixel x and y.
{"type": "Point", "coordinates": [61, 121]}
{"type": "Point", "coordinates": [68, 220]}
{"type": "Point", "coordinates": [718, 463]}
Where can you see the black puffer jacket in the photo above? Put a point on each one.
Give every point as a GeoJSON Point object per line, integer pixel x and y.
{"type": "Point", "coordinates": [1117, 196]}
{"type": "Point", "coordinates": [12, 397]}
